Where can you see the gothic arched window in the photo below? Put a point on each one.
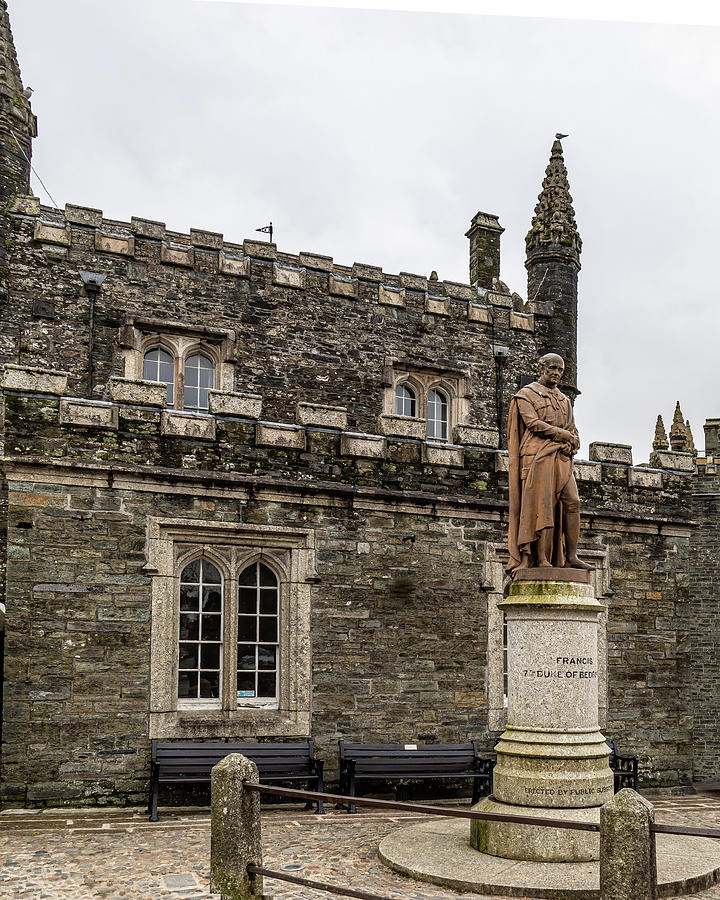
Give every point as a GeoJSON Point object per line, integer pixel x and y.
{"type": "Point", "coordinates": [257, 632]}
{"type": "Point", "coordinates": [437, 415]}
{"type": "Point", "coordinates": [199, 379]}
{"type": "Point", "coordinates": [201, 628]}
{"type": "Point", "coordinates": [405, 402]}
{"type": "Point", "coordinates": [158, 365]}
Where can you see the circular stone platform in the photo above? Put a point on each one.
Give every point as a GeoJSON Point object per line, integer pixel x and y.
{"type": "Point", "coordinates": [439, 852]}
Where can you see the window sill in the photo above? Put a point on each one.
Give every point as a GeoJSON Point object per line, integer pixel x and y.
{"type": "Point", "coordinates": [248, 721]}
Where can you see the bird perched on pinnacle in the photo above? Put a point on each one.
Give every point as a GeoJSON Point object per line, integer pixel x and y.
{"type": "Point", "coordinates": [559, 137]}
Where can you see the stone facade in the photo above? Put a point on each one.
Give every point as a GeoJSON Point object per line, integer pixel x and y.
{"type": "Point", "coordinates": [383, 530]}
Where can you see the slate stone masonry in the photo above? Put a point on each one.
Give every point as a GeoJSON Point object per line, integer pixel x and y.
{"type": "Point", "coordinates": [301, 436]}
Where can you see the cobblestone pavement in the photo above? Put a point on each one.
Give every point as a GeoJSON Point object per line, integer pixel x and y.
{"type": "Point", "coordinates": [76, 855]}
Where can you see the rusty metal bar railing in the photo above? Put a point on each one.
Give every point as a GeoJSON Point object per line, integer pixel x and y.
{"type": "Point", "coordinates": [451, 812]}
{"type": "Point", "coordinates": [420, 808]}
{"type": "Point", "coordinates": [318, 885]}
{"type": "Point", "coordinates": [688, 830]}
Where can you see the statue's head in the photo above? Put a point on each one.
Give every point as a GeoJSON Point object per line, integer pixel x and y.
{"type": "Point", "coordinates": [551, 367]}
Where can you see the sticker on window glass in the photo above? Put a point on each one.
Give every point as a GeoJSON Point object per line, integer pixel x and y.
{"type": "Point", "coordinates": [246, 693]}
{"type": "Point", "coordinates": [411, 746]}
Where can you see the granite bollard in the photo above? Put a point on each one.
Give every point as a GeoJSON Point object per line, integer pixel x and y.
{"type": "Point", "coordinates": [628, 868]}
{"type": "Point", "coordinates": [235, 837]}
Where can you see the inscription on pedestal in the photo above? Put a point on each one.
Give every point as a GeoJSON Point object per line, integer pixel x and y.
{"type": "Point", "coordinates": [560, 670]}
{"type": "Point", "coordinates": [568, 793]}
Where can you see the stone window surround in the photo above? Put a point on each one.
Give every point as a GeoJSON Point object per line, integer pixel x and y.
{"type": "Point", "coordinates": [171, 544]}
{"type": "Point", "coordinates": [496, 560]}
{"type": "Point", "coordinates": [138, 336]}
{"type": "Point", "coordinates": [421, 381]}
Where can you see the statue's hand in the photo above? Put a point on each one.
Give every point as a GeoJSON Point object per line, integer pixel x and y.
{"type": "Point", "coordinates": [566, 437]}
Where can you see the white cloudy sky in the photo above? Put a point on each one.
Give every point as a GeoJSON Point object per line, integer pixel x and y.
{"type": "Point", "coordinates": [374, 136]}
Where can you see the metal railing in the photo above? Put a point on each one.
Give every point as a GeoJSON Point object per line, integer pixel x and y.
{"type": "Point", "coordinates": [427, 809]}
{"type": "Point", "coordinates": [247, 868]}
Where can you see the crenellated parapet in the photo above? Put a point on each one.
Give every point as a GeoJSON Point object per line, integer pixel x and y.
{"type": "Point", "coordinates": [135, 427]}
{"type": "Point", "coordinates": [81, 228]}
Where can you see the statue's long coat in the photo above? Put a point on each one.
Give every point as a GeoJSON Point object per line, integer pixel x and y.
{"type": "Point", "coordinates": [540, 467]}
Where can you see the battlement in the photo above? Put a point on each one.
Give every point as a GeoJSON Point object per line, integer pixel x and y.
{"type": "Point", "coordinates": [79, 428]}
{"type": "Point", "coordinates": [62, 231]}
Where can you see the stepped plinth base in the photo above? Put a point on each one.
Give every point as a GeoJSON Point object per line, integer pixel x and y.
{"type": "Point", "coordinates": [439, 852]}
{"type": "Point", "coordinates": [535, 843]}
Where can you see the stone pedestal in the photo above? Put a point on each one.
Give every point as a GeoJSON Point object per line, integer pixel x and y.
{"type": "Point", "coordinates": [552, 755]}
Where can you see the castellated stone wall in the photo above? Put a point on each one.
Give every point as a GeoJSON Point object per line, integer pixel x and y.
{"type": "Point", "coordinates": [300, 328]}
{"type": "Point", "coordinates": [399, 558]}
{"type": "Point", "coordinates": [702, 629]}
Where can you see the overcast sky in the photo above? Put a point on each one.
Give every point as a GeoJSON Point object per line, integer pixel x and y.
{"type": "Point", "coordinates": [374, 136]}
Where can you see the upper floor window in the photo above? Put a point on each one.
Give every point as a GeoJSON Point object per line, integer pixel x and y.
{"type": "Point", "coordinates": [437, 415]}
{"type": "Point", "coordinates": [194, 377]}
{"type": "Point", "coordinates": [436, 400]}
{"type": "Point", "coordinates": [405, 402]}
{"type": "Point", "coordinates": [199, 377]}
{"type": "Point", "coordinates": [158, 365]}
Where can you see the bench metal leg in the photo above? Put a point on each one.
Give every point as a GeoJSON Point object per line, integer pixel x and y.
{"type": "Point", "coordinates": [351, 791]}
{"type": "Point", "coordinates": [320, 787]}
{"type": "Point", "coordinates": [153, 805]}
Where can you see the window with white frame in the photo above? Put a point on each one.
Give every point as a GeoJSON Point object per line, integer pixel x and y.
{"type": "Point", "coordinates": [200, 645]}
{"type": "Point", "coordinates": [437, 415]}
{"type": "Point", "coordinates": [199, 379]}
{"type": "Point", "coordinates": [191, 360]}
{"type": "Point", "coordinates": [257, 667]}
{"type": "Point", "coordinates": [435, 400]}
{"type": "Point", "coordinates": [196, 374]}
{"type": "Point", "coordinates": [158, 365]}
{"type": "Point", "coordinates": [230, 631]}
{"type": "Point", "coordinates": [405, 400]}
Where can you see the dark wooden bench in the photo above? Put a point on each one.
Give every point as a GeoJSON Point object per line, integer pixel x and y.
{"type": "Point", "coordinates": [187, 763]}
{"type": "Point", "coordinates": [624, 768]}
{"type": "Point", "coordinates": [385, 762]}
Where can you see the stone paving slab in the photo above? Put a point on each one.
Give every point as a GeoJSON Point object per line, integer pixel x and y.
{"type": "Point", "coordinates": [121, 856]}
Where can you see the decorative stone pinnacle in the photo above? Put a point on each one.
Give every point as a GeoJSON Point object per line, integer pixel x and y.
{"type": "Point", "coordinates": [9, 67]}
{"type": "Point", "coordinates": [553, 228]}
{"type": "Point", "coordinates": [678, 434]}
{"type": "Point", "coordinates": [689, 440]}
{"type": "Point", "coordinates": [661, 439]}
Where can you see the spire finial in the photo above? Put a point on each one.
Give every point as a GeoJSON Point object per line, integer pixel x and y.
{"type": "Point", "coordinates": [661, 440]}
{"type": "Point", "coordinates": [689, 440]}
{"type": "Point", "coordinates": [678, 434]}
{"type": "Point", "coordinates": [553, 226]}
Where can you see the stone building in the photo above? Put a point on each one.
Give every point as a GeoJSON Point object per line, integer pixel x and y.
{"type": "Point", "coordinates": [248, 494]}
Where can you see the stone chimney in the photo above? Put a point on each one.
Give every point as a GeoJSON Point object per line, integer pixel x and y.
{"type": "Point", "coordinates": [484, 234]}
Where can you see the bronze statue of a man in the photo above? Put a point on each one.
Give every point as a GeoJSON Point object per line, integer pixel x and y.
{"type": "Point", "coordinates": [544, 504]}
